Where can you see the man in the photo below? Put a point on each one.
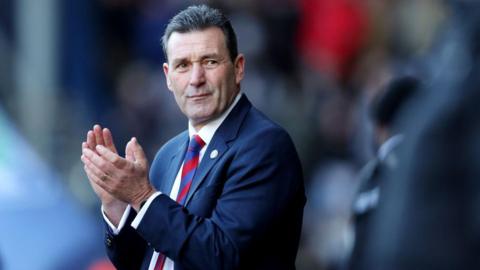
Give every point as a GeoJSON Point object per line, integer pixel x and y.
{"type": "Point", "coordinates": [429, 216]}
{"type": "Point", "coordinates": [387, 108]}
{"type": "Point", "coordinates": [232, 199]}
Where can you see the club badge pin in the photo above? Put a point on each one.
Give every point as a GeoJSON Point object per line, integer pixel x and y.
{"type": "Point", "coordinates": [214, 154]}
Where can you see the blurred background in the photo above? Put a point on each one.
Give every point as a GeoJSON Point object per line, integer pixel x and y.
{"type": "Point", "coordinates": [314, 66]}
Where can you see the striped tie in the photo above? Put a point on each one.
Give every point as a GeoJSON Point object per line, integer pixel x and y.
{"type": "Point", "coordinates": [190, 164]}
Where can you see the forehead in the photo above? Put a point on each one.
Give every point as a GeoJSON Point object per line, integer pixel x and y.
{"type": "Point", "coordinates": [196, 43]}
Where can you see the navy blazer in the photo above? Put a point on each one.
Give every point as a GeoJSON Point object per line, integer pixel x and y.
{"type": "Point", "coordinates": [244, 209]}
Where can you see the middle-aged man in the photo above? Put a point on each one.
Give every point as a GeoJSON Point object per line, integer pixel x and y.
{"type": "Point", "coordinates": [226, 194]}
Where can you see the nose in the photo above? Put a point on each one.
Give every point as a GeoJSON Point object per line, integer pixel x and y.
{"type": "Point", "coordinates": [197, 77]}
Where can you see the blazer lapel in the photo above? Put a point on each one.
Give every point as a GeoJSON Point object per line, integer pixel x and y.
{"type": "Point", "coordinates": [206, 164]}
{"type": "Point", "coordinates": [227, 132]}
{"type": "Point", "coordinates": [174, 167]}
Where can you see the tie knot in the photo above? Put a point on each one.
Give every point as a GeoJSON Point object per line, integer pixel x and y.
{"type": "Point", "coordinates": [196, 144]}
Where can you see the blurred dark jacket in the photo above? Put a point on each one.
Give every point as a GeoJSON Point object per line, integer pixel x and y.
{"type": "Point", "coordinates": [429, 217]}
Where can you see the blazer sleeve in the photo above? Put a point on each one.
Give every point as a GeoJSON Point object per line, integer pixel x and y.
{"type": "Point", "coordinates": [127, 249]}
{"type": "Point", "coordinates": [262, 181]}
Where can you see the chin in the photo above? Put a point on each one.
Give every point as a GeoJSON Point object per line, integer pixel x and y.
{"type": "Point", "coordinates": [205, 117]}
{"type": "Point", "coordinates": [201, 118]}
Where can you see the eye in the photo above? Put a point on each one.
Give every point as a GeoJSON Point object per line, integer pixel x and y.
{"type": "Point", "coordinates": [210, 63]}
{"type": "Point", "coordinates": [182, 67]}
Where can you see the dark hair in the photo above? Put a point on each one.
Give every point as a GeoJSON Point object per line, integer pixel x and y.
{"type": "Point", "coordinates": [389, 104]}
{"type": "Point", "coordinates": [199, 18]}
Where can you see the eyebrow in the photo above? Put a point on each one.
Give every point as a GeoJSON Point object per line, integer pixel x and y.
{"type": "Point", "coordinates": [203, 57]}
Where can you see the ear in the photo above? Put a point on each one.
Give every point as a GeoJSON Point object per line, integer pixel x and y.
{"type": "Point", "coordinates": [239, 66]}
{"type": "Point", "coordinates": [165, 71]}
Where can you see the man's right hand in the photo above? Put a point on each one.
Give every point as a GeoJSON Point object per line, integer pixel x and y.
{"type": "Point", "coordinates": [113, 207]}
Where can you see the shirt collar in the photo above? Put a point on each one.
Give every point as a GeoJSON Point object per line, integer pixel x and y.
{"type": "Point", "coordinates": [207, 131]}
{"type": "Point", "coordinates": [387, 147]}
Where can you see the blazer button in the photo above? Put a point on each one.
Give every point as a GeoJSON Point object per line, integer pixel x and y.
{"type": "Point", "coordinates": [109, 241]}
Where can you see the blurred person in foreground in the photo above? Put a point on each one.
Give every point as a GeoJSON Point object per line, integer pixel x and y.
{"type": "Point", "coordinates": [429, 217]}
{"type": "Point", "coordinates": [232, 199]}
{"type": "Point", "coordinates": [386, 108]}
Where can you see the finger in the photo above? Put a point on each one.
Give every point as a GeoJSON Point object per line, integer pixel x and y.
{"type": "Point", "coordinates": [84, 145]}
{"type": "Point", "coordinates": [108, 139]}
{"type": "Point", "coordinates": [91, 142]}
{"type": "Point", "coordinates": [138, 153]}
{"type": "Point", "coordinates": [95, 181]}
{"type": "Point", "coordinates": [91, 175]}
{"type": "Point", "coordinates": [94, 169]}
{"type": "Point", "coordinates": [129, 152]}
{"type": "Point", "coordinates": [111, 157]}
{"type": "Point", "coordinates": [97, 130]}
{"type": "Point", "coordinates": [104, 165]}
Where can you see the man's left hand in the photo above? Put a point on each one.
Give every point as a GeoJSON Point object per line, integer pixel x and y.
{"type": "Point", "coordinates": [124, 178]}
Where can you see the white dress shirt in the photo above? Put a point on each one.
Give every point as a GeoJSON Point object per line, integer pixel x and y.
{"type": "Point", "coordinates": [206, 133]}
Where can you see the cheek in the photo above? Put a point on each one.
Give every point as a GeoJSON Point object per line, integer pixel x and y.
{"type": "Point", "coordinates": [177, 86]}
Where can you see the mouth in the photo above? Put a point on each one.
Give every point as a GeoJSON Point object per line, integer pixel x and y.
{"type": "Point", "coordinates": [197, 97]}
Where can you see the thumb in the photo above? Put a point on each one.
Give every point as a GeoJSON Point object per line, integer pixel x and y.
{"type": "Point", "coordinates": [129, 155]}
{"type": "Point", "coordinates": [138, 153]}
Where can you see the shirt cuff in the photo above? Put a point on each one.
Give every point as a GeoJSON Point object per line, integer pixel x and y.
{"type": "Point", "coordinates": [116, 230]}
{"type": "Point", "coordinates": [144, 209]}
